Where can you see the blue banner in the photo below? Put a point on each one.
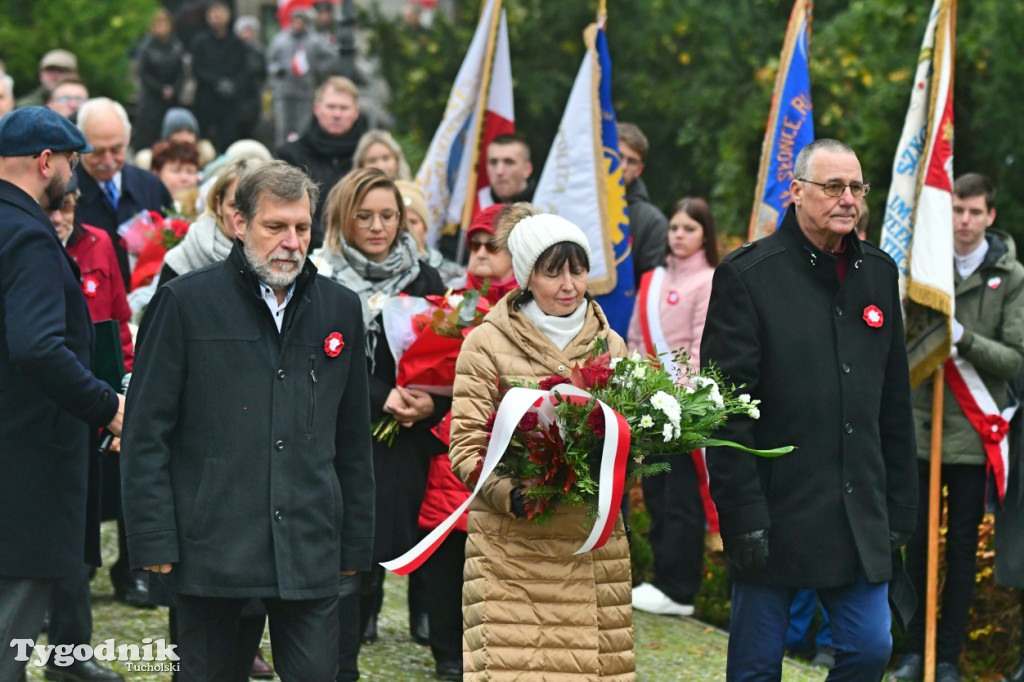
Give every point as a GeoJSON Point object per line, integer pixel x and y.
{"type": "Point", "coordinates": [790, 127]}
{"type": "Point", "coordinates": [617, 304]}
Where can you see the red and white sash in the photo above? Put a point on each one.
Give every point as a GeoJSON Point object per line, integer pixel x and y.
{"type": "Point", "coordinates": [513, 406]}
{"type": "Point", "coordinates": [650, 319]}
{"type": "Point", "coordinates": [984, 414]}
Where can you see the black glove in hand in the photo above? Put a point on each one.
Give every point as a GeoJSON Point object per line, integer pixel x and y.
{"type": "Point", "coordinates": [747, 551]}
{"type": "Point", "coordinates": [518, 502]}
{"type": "Point", "coordinates": [898, 539]}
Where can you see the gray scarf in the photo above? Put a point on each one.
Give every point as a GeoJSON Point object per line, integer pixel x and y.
{"type": "Point", "coordinates": [204, 244]}
{"type": "Point", "coordinates": [374, 282]}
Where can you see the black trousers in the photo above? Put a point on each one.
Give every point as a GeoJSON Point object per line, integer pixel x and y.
{"type": "Point", "coordinates": [443, 572]}
{"type": "Point", "coordinates": [677, 529]}
{"type": "Point", "coordinates": [23, 603]}
{"type": "Point", "coordinates": [303, 634]}
{"type": "Point", "coordinates": [71, 609]}
{"type": "Point", "coordinates": [966, 507]}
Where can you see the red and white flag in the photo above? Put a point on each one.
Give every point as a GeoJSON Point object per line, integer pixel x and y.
{"type": "Point", "coordinates": [286, 7]}
{"type": "Point", "coordinates": [300, 63]}
{"type": "Point", "coordinates": [448, 175]}
{"type": "Point", "coordinates": [918, 227]}
{"type": "Point", "coordinates": [500, 116]}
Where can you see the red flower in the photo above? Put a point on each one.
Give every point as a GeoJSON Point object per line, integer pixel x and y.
{"type": "Point", "coordinates": [90, 285]}
{"type": "Point", "coordinates": [551, 382]}
{"type": "Point", "coordinates": [489, 426]}
{"type": "Point", "coordinates": [873, 316]}
{"type": "Point", "coordinates": [333, 345]}
{"type": "Point", "coordinates": [596, 421]}
{"type": "Point", "coordinates": [529, 421]}
{"type": "Point", "coordinates": [994, 428]}
{"type": "Point", "coordinates": [594, 373]}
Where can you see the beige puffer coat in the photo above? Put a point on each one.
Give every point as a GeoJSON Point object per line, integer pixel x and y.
{"type": "Point", "coordinates": [532, 610]}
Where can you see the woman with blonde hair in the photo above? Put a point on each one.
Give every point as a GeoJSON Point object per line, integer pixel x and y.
{"type": "Point", "coordinates": [368, 249]}
{"type": "Point", "coordinates": [532, 609]}
{"type": "Point", "coordinates": [378, 149]}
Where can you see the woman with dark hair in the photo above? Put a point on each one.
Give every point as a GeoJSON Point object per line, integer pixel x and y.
{"type": "Point", "coordinates": [368, 248]}
{"type": "Point", "coordinates": [532, 609]}
{"type": "Point", "coordinates": [669, 314]}
{"type": "Point", "coordinates": [177, 166]}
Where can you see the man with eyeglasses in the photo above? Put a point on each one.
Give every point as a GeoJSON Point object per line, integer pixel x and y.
{"type": "Point", "coordinates": [648, 227]}
{"type": "Point", "coordinates": [808, 321]}
{"type": "Point", "coordinates": [51, 403]}
{"type": "Point", "coordinates": [67, 97]}
{"type": "Point", "coordinates": [113, 192]}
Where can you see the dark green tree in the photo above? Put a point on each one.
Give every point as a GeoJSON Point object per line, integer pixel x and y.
{"type": "Point", "coordinates": [100, 34]}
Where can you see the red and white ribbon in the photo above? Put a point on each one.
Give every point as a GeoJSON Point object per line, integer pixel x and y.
{"type": "Point", "coordinates": [982, 411]}
{"type": "Point", "coordinates": [516, 403]}
{"type": "Point", "coordinates": [655, 342]}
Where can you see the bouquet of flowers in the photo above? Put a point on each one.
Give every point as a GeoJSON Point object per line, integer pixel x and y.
{"type": "Point", "coordinates": [170, 231]}
{"type": "Point", "coordinates": [425, 336]}
{"type": "Point", "coordinates": [558, 447]}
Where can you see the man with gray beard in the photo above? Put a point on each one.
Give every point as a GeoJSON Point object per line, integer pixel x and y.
{"type": "Point", "coordinates": [248, 425]}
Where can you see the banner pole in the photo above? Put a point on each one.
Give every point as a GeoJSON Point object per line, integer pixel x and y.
{"type": "Point", "coordinates": [481, 111]}
{"type": "Point", "coordinates": [934, 505]}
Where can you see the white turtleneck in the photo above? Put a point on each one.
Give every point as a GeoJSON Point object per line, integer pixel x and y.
{"type": "Point", "coordinates": [967, 264]}
{"type": "Point", "coordinates": [561, 330]}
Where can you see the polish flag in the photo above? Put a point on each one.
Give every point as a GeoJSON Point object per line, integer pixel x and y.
{"type": "Point", "coordinates": [286, 7]}
{"type": "Point", "coordinates": [500, 117]}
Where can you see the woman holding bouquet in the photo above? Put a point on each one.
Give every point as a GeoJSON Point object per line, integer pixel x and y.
{"type": "Point", "coordinates": [532, 608]}
{"type": "Point", "coordinates": [669, 314]}
{"type": "Point", "coordinates": [368, 248]}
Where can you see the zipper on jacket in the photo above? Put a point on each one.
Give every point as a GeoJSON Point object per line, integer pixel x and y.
{"type": "Point", "coordinates": [312, 392]}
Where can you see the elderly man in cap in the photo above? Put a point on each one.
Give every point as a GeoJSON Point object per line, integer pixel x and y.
{"type": "Point", "coordinates": [55, 66]}
{"type": "Point", "coordinates": [51, 402]}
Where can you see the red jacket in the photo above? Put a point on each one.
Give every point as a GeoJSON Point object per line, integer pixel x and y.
{"type": "Point", "coordinates": [444, 494]}
{"type": "Point", "coordinates": [92, 250]}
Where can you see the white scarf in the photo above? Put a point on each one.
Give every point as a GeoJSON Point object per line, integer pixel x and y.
{"type": "Point", "coordinates": [561, 330]}
{"type": "Point", "coordinates": [204, 243]}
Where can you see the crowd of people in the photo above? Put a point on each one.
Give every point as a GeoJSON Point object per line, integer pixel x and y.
{"type": "Point", "coordinates": [249, 489]}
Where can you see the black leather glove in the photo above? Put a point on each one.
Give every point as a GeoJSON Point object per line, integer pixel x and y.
{"type": "Point", "coordinates": [898, 539]}
{"type": "Point", "coordinates": [518, 502]}
{"type": "Point", "coordinates": [747, 551]}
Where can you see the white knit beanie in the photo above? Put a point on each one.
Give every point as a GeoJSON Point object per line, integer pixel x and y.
{"type": "Point", "coordinates": [534, 235]}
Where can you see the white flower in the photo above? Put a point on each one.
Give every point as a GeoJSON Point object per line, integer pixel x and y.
{"type": "Point", "coordinates": [666, 432]}
{"type": "Point", "coordinates": [754, 413]}
{"type": "Point", "coordinates": [679, 431]}
{"type": "Point", "coordinates": [635, 357]}
{"type": "Point", "coordinates": [646, 421]}
{"type": "Point", "coordinates": [454, 300]}
{"type": "Point", "coordinates": [668, 405]}
{"type": "Point", "coordinates": [639, 371]}
{"type": "Point", "coordinates": [715, 394]}
{"type": "Point", "coordinates": [614, 362]}
{"type": "Point", "coordinates": [745, 398]}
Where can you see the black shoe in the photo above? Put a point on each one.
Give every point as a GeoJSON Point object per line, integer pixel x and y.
{"type": "Point", "coordinates": [370, 633]}
{"type": "Point", "coordinates": [1017, 674]}
{"type": "Point", "coordinates": [911, 669]}
{"type": "Point", "coordinates": [82, 671]}
{"type": "Point", "coordinates": [448, 670]}
{"type": "Point", "coordinates": [946, 672]}
{"type": "Point", "coordinates": [135, 592]}
{"type": "Point", "coordinates": [419, 628]}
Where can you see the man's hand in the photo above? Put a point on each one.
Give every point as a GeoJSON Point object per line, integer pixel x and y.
{"type": "Point", "coordinates": [898, 539]}
{"type": "Point", "coordinates": [747, 551]}
{"type": "Point", "coordinates": [159, 568]}
{"type": "Point", "coordinates": [115, 424]}
{"type": "Point", "coordinates": [417, 405]}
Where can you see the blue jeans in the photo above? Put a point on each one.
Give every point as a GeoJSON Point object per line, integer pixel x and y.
{"type": "Point", "coordinates": [801, 614]}
{"type": "Point", "coordinates": [860, 619]}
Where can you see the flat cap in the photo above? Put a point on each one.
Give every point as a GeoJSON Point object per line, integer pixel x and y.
{"type": "Point", "coordinates": [30, 130]}
{"type": "Point", "coordinates": [59, 59]}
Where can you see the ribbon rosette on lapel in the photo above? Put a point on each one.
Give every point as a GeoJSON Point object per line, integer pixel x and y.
{"type": "Point", "coordinates": [333, 345]}
{"type": "Point", "coordinates": [90, 285]}
{"type": "Point", "coordinates": [873, 316]}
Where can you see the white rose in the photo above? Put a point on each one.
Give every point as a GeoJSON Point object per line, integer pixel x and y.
{"type": "Point", "coordinates": [640, 371]}
{"type": "Point", "coordinates": [635, 357]}
{"type": "Point", "coordinates": [745, 398]}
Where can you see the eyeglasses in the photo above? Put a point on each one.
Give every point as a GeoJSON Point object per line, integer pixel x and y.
{"type": "Point", "coordinates": [73, 160]}
{"type": "Point", "coordinates": [364, 219]}
{"type": "Point", "coordinates": [64, 99]}
{"type": "Point", "coordinates": [836, 189]}
{"type": "Point", "coordinates": [475, 244]}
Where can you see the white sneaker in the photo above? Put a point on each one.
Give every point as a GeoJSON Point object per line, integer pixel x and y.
{"type": "Point", "coordinates": [647, 597]}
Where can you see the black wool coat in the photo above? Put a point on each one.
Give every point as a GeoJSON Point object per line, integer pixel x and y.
{"type": "Point", "coordinates": [401, 468]}
{"type": "Point", "coordinates": [140, 190]}
{"type": "Point", "coordinates": [781, 322]}
{"type": "Point", "coordinates": [48, 399]}
{"type": "Point", "coordinates": [247, 456]}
